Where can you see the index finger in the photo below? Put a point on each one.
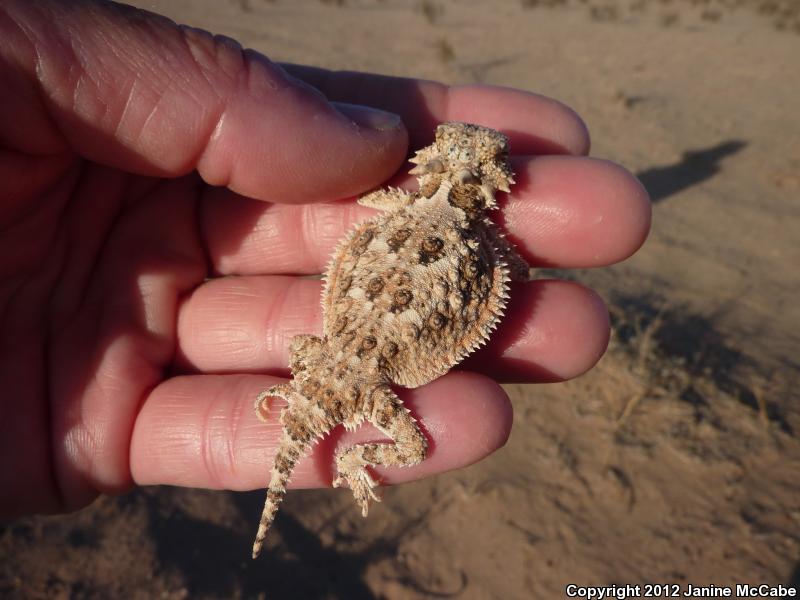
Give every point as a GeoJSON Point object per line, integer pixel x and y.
{"type": "Point", "coordinates": [534, 123]}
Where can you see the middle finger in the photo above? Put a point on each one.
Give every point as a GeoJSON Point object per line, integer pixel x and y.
{"type": "Point", "coordinates": [564, 211]}
{"type": "Point", "coordinates": [552, 330]}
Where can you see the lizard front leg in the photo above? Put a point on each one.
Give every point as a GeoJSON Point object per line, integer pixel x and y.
{"type": "Point", "coordinates": [389, 199]}
{"type": "Point", "coordinates": [409, 448]}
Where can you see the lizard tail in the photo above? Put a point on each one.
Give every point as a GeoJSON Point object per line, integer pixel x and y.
{"type": "Point", "coordinates": [289, 452]}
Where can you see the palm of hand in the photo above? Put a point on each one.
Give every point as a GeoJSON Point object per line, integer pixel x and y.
{"type": "Point", "coordinates": [95, 268]}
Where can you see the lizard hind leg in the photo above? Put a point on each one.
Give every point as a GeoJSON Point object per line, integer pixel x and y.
{"type": "Point", "coordinates": [408, 448]}
{"type": "Point", "coordinates": [305, 352]}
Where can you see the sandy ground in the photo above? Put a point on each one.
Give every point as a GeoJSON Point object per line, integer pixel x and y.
{"type": "Point", "coordinates": [676, 460]}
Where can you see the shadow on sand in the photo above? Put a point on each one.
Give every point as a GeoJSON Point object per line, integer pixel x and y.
{"type": "Point", "coordinates": [217, 563]}
{"type": "Point", "coordinates": [685, 347]}
{"type": "Point", "coordinates": [297, 564]}
{"type": "Point", "coordinates": [694, 167]}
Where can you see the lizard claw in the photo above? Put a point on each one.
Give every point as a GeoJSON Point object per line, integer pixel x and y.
{"type": "Point", "coordinates": [360, 482]}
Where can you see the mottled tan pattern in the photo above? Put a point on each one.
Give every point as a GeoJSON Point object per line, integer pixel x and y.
{"type": "Point", "coordinates": [408, 295]}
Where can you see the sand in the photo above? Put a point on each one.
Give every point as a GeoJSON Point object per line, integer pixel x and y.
{"type": "Point", "coordinates": [676, 460]}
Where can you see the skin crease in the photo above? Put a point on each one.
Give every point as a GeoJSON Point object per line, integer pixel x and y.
{"type": "Point", "coordinates": [163, 189]}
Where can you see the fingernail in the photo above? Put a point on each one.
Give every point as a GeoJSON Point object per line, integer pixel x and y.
{"type": "Point", "coordinates": [366, 116]}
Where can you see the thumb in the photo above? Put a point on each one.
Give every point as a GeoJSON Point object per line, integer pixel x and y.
{"type": "Point", "coordinates": [132, 90]}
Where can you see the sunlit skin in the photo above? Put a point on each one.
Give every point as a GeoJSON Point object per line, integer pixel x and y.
{"type": "Point", "coordinates": [163, 195]}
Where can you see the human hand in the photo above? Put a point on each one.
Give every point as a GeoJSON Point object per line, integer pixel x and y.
{"type": "Point", "coordinates": [163, 194]}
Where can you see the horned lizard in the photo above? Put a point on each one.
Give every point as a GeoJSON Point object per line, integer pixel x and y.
{"type": "Point", "coordinates": [408, 294]}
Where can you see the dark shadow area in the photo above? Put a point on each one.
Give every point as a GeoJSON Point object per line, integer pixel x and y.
{"type": "Point", "coordinates": [794, 578]}
{"type": "Point", "coordinates": [338, 568]}
{"type": "Point", "coordinates": [694, 167]}
{"type": "Point", "coordinates": [214, 559]}
{"type": "Point", "coordinates": [164, 542]}
{"type": "Point", "coordinates": [676, 348]}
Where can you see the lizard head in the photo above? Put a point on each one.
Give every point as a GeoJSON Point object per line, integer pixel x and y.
{"type": "Point", "coordinates": [470, 156]}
